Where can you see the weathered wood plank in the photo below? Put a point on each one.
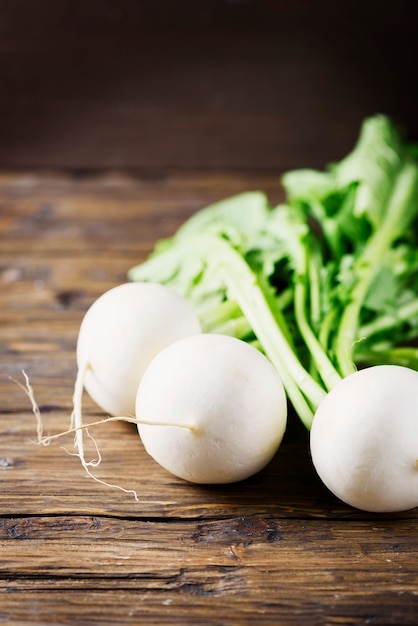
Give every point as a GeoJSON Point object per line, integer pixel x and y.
{"type": "Point", "coordinates": [287, 487]}
{"type": "Point", "coordinates": [275, 549]}
{"type": "Point", "coordinates": [90, 606]}
{"type": "Point", "coordinates": [232, 570]}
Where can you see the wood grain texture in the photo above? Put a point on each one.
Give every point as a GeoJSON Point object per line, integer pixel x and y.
{"type": "Point", "coordinates": [211, 84]}
{"type": "Point", "coordinates": [275, 549]}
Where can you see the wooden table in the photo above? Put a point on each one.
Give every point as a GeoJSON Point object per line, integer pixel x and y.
{"type": "Point", "coordinates": [118, 120]}
{"type": "Point", "coordinates": [275, 549]}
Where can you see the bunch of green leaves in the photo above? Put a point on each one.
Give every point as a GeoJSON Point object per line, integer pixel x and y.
{"type": "Point", "coordinates": [323, 283]}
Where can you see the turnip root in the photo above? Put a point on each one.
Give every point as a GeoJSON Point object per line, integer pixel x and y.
{"type": "Point", "coordinates": [222, 406]}
{"type": "Point", "coordinates": [364, 439]}
{"type": "Point", "coordinates": [119, 335]}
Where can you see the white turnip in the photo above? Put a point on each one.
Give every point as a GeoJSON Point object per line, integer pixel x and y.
{"type": "Point", "coordinates": [364, 439]}
{"type": "Point", "coordinates": [215, 409]}
{"type": "Point", "coordinates": [120, 334]}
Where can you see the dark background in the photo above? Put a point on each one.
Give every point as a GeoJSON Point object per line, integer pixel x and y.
{"type": "Point", "coordinates": [222, 84]}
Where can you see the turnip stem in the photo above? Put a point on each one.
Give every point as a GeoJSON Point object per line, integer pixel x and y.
{"type": "Point", "coordinates": [314, 263]}
{"type": "Point", "coordinates": [325, 368]}
{"type": "Point", "coordinates": [395, 221]}
{"type": "Point", "coordinates": [270, 328]}
{"type": "Point", "coordinates": [304, 392]}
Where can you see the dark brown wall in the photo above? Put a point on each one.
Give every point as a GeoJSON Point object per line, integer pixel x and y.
{"type": "Point", "coordinates": [199, 84]}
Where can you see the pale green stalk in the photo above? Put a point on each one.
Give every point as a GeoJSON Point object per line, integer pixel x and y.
{"type": "Point", "coordinates": [396, 218]}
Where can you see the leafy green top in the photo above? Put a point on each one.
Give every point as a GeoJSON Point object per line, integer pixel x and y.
{"type": "Point", "coordinates": [323, 283]}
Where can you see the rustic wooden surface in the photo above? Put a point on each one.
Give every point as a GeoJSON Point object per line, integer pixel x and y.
{"type": "Point", "coordinates": [275, 549]}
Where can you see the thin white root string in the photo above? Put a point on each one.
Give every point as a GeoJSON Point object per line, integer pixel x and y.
{"type": "Point", "coordinates": [76, 421]}
{"type": "Point", "coordinates": [35, 408]}
{"type": "Point", "coordinates": [123, 418]}
{"type": "Point", "coordinates": [76, 418]}
{"type": "Point", "coordinates": [76, 424]}
{"type": "Point", "coordinates": [106, 484]}
{"type": "Point", "coordinates": [77, 427]}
